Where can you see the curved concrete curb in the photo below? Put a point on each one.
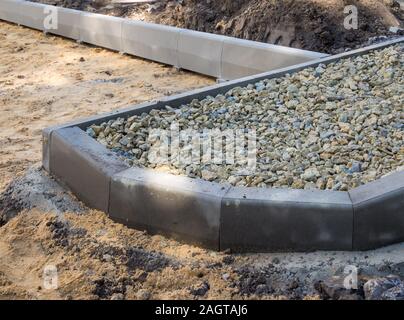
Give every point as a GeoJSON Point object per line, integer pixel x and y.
{"type": "Point", "coordinates": [218, 216]}
{"type": "Point", "coordinates": [86, 167]}
{"type": "Point", "coordinates": [221, 217]}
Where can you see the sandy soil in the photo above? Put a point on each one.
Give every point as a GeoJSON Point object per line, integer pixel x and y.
{"type": "Point", "coordinates": [99, 259]}
{"type": "Point", "coordinates": [316, 25]}
{"type": "Point", "coordinates": [43, 82]}
{"type": "Point", "coordinates": [49, 80]}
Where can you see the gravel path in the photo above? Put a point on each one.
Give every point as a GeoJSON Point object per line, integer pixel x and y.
{"type": "Point", "coordinates": [333, 127]}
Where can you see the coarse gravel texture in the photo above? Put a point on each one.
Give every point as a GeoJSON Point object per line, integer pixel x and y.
{"type": "Point", "coordinates": [332, 127]}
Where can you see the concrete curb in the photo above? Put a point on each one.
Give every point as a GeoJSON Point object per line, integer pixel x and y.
{"type": "Point", "coordinates": [218, 216]}
{"type": "Point", "coordinates": [191, 50]}
{"type": "Point", "coordinates": [10, 11]}
{"type": "Point", "coordinates": [101, 30]}
{"type": "Point", "coordinates": [69, 23]}
{"type": "Point", "coordinates": [242, 57]}
{"type": "Point", "coordinates": [182, 208]}
{"type": "Point", "coordinates": [31, 15]}
{"type": "Point", "coordinates": [136, 37]}
{"type": "Point", "coordinates": [221, 217]}
{"type": "Point", "coordinates": [266, 219]}
{"type": "Point", "coordinates": [201, 52]}
{"type": "Point", "coordinates": [85, 167]}
{"type": "Point", "coordinates": [379, 212]}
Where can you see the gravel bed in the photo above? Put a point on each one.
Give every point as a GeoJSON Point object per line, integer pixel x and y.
{"type": "Point", "coordinates": [332, 127]}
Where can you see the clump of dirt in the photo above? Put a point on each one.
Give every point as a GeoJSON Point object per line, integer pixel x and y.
{"type": "Point", "coordinates": [35, 190]}
{"type": "Point", "coordinates": [147, 261]}
{"type": "Point", "coordinates": [316, 25]}
{"type": "Point", "coordinates": [200, 290]}
{"type": "Point", "coordinates": [273, 280]}
{"type": "Point", "coordinates": [63, 234]}
{"type": "Point", "coordinates": [107, 288]}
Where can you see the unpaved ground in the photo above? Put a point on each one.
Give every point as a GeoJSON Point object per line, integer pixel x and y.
{"type": "Point", "coordinates": [41, 224]}
{"type": "Point", "coordinates": [46, 81]}
{"type": "Point", "coordinates": [316, 25]}
{"type": "Point", "coordinates": [99, 259]}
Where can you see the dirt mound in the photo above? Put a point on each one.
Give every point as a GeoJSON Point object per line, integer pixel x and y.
{"type": "Point", "coordinates": [98, 259]}
{"type": "Point", "coordinates": [316, 25]}
{"type": "Point", "coordinates": [309, 24]}
{"type": "Point", "coordinates": [35, 190]}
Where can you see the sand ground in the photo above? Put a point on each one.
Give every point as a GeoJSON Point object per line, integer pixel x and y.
{"type": "Point", "coordinates": [49, 80]}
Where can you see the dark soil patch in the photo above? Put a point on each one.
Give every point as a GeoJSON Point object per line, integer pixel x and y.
{"type": "Point", "coordinates": [200, 290]}
{"type": "Point", "coordinates": [71, 238]}
{"type": "Point", "coordinates": [63, 233]}
{"type": "Point", "coordinates": [105, 287]}
{"type": "Point", "coordinates": [274, 280]}
{"type": "Point", "coordinates": [145, 260]}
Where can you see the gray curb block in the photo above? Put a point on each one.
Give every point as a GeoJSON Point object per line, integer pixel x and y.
{"type": "Point", "coordinates": [267, 219]}
{"type": "Point", "coordinates": [379, 212]}
{"type": "Point", "coordinates": [182, 208]}
{"type": "Point", "coordinates": [86, 167]}
{"type": "Point", "coordinates": [214, 55]}
{"type": "Point", "coordinates": [219, 216]}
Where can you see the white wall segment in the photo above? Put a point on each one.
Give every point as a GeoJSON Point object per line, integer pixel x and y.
{"type": "Point", "coordinates": [200, 52]}
{"type": "Point", "coordinates": [10, 10]}
{"type": "Point", "coordinates": [68, 23]}
{"type": "Point", "coordinates": [217, 56]}
{"type": "Point", "coordinates": [243, 57]}
{"type": "Point", "coordinates": [150, 41]}
{"type": "Point", "coordinates": [32, 15]}
{"type": "Point", "coordinates": [101, 30]}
